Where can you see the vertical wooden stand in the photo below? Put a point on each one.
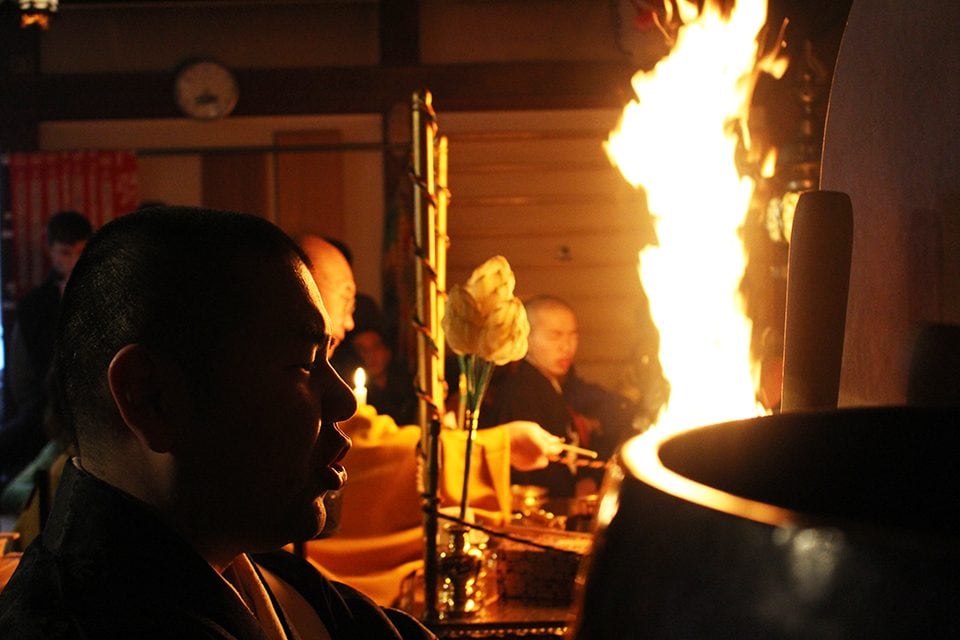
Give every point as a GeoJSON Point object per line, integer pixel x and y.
{"type": "Point", "coordinates": [430, 197]}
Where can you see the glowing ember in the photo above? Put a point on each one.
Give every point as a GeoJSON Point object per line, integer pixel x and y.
{"type": "Point", "coordinates": [678, 142]}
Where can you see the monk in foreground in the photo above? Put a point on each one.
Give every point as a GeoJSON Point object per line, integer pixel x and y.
{"type": "Point", "coordinates": [192, 365]}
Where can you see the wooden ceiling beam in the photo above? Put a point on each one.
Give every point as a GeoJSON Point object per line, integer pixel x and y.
{"type": "Point", "coordinates": [327, 90]}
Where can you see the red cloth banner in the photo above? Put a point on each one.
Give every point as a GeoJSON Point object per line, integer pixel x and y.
{"type": "Point", "coordinates": [99, 184]}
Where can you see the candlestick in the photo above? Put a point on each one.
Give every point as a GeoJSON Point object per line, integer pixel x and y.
{"type": "Point", "coordinates": [359, 386]}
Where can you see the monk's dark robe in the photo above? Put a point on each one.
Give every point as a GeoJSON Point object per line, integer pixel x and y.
{"type": "Point", "coordinates": [105, 567]}
{"type": "Point", "coordinates": [523, 393]}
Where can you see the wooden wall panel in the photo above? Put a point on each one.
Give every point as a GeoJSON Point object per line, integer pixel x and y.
{"type": "Point", "coordinates": [492, 217]}
{"type": "Point", "coordinates": [236, 182]}
{"type": "Point", "coordinates": [310, 184]}
{"type": "Point", "coordinates": [546, 197]}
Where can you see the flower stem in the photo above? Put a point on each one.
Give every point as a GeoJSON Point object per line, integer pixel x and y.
{"type": "Point", "coordinates": [471, 420]}
{"type": "Point", "coordinates": [478, 372]}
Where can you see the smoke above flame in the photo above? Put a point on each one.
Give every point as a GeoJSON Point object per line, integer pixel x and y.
{"type": "Point", "coordinates": [678, 140]}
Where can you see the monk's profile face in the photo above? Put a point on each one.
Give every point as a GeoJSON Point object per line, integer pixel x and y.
{"type": "Point", "coordinates": [267, 444]}
{"type": "Point", "coordinates": [553, 341]}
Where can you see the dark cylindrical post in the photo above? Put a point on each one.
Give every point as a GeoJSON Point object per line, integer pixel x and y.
{"type": "Point", "coordinates": [818, 279]}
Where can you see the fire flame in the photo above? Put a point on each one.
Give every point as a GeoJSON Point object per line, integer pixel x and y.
{"type": "Point", "coordinates": [678, 141]}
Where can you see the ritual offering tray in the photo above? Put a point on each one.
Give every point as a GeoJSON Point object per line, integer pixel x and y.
{"type": "Point", "coordinates": [537, 574]}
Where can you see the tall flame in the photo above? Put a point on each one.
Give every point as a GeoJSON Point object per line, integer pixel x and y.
{"type": "Point", "coordinates": [678, 141]}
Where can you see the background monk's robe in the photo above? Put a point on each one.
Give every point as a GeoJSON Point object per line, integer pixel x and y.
{"type": "Point", "coordinates": [380, 539]}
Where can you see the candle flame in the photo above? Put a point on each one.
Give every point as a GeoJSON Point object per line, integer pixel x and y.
{"type": "Point", "coordinates": [359, 378]}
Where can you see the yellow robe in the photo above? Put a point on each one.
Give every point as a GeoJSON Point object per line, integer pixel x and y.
{"type": "Point", "coordinates": [380, 539]}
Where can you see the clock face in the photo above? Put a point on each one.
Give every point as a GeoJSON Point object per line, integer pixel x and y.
{"type": "Point", "coordinates": [206, 90]}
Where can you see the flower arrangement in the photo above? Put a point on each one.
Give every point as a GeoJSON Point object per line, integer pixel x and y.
{"type": "Point", "coordinates": [485, 325]}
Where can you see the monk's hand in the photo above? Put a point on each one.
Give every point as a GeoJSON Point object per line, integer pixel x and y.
{"type": "Point", "coordinates": [531, 446]}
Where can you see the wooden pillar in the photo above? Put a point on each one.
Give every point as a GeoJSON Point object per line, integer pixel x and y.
{"type": "Point", "coordinates": [399, 33]}
{"type": "Point", "coordinates": [19, 58]}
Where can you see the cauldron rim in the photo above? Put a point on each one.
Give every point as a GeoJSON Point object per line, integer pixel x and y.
{"type": "Point", "coordinates": [641, 457]}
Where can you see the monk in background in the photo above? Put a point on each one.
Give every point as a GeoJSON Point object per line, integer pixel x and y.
{"type": "Point", "coordinates": [379, 541]}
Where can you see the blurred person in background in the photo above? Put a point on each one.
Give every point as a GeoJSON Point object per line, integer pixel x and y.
{"type": "Point", "coordinates": [23, 435]}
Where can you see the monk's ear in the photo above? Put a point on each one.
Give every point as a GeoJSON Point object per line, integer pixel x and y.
{"type": "Point", "coordinates": [140, 383]}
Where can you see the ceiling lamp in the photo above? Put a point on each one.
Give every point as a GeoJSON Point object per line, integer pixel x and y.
{"type": "Point", "coordinates": [37, 12]}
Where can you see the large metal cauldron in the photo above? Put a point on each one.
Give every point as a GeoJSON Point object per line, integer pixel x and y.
{"type": "Point", "coordinates": [843, 524]}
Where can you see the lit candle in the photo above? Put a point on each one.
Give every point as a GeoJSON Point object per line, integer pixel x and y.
{"type": "Point", "coordinates": [359, 386]}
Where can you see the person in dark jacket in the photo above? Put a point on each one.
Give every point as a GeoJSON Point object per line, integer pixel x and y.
{"type": "Point", "coordinates": [545, 388]}
{"type": "Point", "coordinates": [192, 362]}
{"type": "Point", "coordinates": [22, 435]}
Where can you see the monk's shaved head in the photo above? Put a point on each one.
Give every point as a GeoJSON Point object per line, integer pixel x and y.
{"type": "Point", "coordinates": [334, 279]}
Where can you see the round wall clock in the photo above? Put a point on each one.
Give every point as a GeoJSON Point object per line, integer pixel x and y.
{"type": "Point", "coordinates": [205, 89]}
